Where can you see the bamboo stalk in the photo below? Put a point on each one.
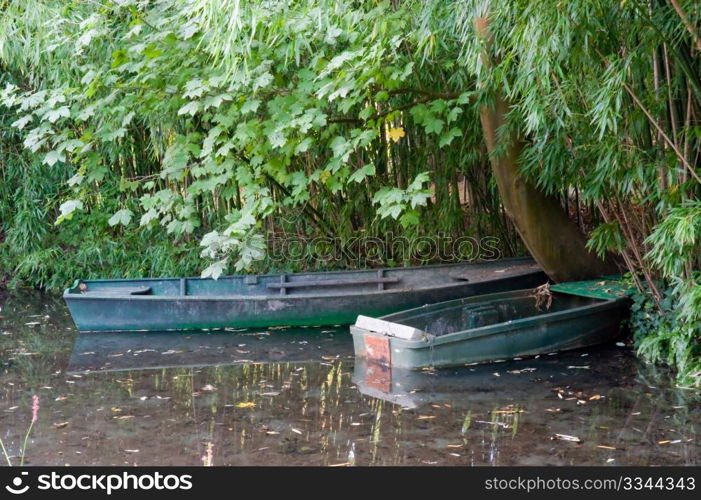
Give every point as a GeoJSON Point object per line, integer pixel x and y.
{"type": "Point", "coordinates": [687, 124]}
{"type": "Point", "coordinates": [666, 138]}
{"type": "Point", "coordinates": [687, 23]}
{"type": "Point", "coordinates": [636, 252]}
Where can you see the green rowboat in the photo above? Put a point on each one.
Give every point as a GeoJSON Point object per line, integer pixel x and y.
{"type": "Point", "coordinates": [494, 327]}
{"type": "Point", "coordinates": [305, 299]}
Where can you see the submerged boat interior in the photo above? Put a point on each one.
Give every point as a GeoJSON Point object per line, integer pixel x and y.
{"type": "Point", "coordinates": [460, 315]}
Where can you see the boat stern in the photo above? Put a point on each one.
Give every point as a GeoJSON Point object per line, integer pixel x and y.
{"type": "Point", "coordinates": [390, 344]}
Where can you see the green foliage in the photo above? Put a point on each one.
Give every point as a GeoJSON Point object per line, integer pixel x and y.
{"type": "Point", "coordinates": [606, 96]}
{"type": "Point", "coordinates": [188, 117]}
{"type": "Point", "coordinates": [165, 137]}
{"type": "Point", "coordinates": [669, 334]}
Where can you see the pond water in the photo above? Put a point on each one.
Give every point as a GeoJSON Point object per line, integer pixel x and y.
{"type": "Point", "coordinates": [297, 397]}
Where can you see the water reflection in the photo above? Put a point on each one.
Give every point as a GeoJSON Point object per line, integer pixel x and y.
{"type": "Point", "coordinates": [151, 350]}
{"type": "Point", "coordinates": [297, 397]}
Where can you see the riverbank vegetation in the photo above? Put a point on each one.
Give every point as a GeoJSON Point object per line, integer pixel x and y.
{"type": "Point", "coordinates": [171, 137]}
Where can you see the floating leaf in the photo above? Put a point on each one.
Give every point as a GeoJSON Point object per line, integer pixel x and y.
{"type": "Point", "coordinates": [567, 437]}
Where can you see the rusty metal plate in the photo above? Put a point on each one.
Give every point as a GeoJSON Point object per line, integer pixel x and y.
{"type": "Point", "coordinates": [377, 349]}
{"type": "Point", "coordinates": [379, 377]}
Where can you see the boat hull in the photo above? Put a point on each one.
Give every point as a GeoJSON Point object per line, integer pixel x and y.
{"type": "Point", "coordinates": [594, 323]}
{"type": "Point", "coordinates": [109, 312]}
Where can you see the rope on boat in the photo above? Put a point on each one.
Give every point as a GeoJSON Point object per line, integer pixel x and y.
{"type": "Point", "coordinates": [543, 296]}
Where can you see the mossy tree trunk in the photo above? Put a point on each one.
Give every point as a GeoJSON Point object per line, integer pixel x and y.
{"type": "Point", "coordinates": [554, 241]}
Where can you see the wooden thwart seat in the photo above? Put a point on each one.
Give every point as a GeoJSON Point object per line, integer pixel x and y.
{"type": "Point", "coordinates": [141, 290]}
{"type": "Point", "coordinates": [308, 284]}
{"type": "Point", "coordinates": [380, 280]}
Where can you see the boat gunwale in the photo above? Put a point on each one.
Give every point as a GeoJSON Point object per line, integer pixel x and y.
{"type": "Point", "coordinates": [470, 334]}
{"type": "Point", "coordinates": [71, 294]}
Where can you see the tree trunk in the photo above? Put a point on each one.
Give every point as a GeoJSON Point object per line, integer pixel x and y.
{"type": "Point", "coordinates": [554, 241]}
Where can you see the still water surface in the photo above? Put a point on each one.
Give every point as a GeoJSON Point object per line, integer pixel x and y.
{"type": "Point", "coordinates": [297, 397]}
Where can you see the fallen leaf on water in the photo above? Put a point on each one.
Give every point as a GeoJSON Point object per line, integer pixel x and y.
{"type": "Point", "coordinates": [500, 424]}
{"type": "Point", "coordinates": [522, 370]}
{"type": "Point", "coordinates": [567, 437]}
{"type": "Point", "coordinates": [246, 404]}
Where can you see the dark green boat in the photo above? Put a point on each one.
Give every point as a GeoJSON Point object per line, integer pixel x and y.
{"type": "Point", "coordinates": [493, 327]}
{"type": "Point", "coordinates": [305, 299]}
